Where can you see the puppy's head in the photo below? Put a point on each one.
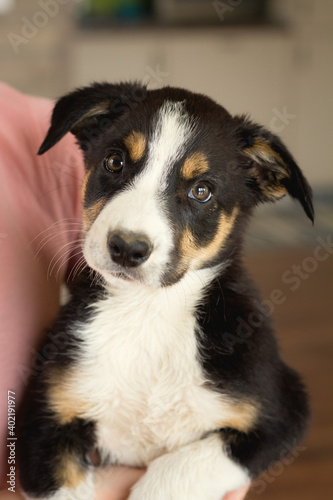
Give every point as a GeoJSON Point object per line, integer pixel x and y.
{"type": "Point", "coordinates": [171, 177]}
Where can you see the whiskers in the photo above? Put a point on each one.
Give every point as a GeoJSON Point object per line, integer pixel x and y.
{"type": "Point", "coordinates": [96, 279]}
{"type": "Point", "coordinates": [63, 256]}
{"type": "Point", "coordinates": [78, 267]}
{"type": "Point", "coordinates": [62, 241]}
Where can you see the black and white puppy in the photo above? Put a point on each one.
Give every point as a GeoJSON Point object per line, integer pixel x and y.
{"type": "Point", "coordinates": [151, 367]}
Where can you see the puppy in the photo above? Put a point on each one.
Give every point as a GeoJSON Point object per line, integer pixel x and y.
{"type": "Point", "coordinates": [154, 367]}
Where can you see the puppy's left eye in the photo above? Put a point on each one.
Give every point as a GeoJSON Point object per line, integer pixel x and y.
{"type": "Point", "coordinates": [200, 192]}
{"type": "Point", "coordinates": [114, 162]}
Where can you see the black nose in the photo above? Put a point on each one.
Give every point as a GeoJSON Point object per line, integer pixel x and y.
{"type": "Point", "coordinates": [129, 249]}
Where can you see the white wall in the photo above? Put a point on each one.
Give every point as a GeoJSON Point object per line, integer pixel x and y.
{"type": "Point", "coordinates": [267, 73]}
{"type": "Point", "coordinates": [282, 78]}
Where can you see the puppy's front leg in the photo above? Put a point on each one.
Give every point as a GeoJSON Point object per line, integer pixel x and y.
{"type": "Point", "coordinates": [199, 471]}
{"type": "Point", "coordinates": [84, 490]}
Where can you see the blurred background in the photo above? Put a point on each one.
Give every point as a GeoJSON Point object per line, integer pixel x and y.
{"type": "Point", "coordinates": [272, 59]}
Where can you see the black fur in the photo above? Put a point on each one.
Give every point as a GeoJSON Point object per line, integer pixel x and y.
{"type": "Point", "coordinates": [42, 441]}
{"type": "Point", "coordinates": [240, 361]}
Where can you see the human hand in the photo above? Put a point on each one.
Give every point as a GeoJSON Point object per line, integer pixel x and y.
{"type": "Point", "coordinates": [237, 494]}
{"type": "Point", "coordinates": [117, 484]}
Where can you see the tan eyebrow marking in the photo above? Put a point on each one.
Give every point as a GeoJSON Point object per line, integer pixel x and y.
{"type": "Point", "coordinates": [194, 165]}
{"type": "Point", "coordinates": [136, 144]}
{"type": "Point", "coordinates": [198, 254]}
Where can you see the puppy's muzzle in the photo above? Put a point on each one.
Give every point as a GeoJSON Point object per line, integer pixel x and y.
{"type": "Point", "coordinates": [129, 249]}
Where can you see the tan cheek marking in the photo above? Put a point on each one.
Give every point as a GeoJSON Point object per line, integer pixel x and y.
{"type": "Point", "coordinates": [194, 255]}
{"type": "Point", "coordinates": [194, 165]}
{"type": "Point", "coordinates": [84, 184]}
{"type": "Point", "coordinates": [69, 473]}
{"type": "Point", "coordinates": [62, 398]}
{"type": "Point", "coordinates": [136, 144]}
{"type": "Point", "coordinates": [243, 416]}
{"type": "Point", "coordinates": [90, 214]}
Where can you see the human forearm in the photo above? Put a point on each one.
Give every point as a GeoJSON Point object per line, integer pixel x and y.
{"type": "Point", "coordinates": [9, 495]}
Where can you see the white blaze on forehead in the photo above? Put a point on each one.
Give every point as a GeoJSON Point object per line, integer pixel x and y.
{"type": "Point", "coordinates": [140, 207]}
{"type": "Point", "coordinates": [173, 129]}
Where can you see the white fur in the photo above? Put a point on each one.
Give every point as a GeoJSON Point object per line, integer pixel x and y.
{"type": "Point", "coordinates": [139, 377]}
{"type": "Point", "coordinates": [134, 210]}
{"type": "Point", "coordinates": [84, 491]}
{"type": "Point", "coordinates": [141, 380]}
{"type": "Point", "coordinates": [198, 471]}
{"type": "Point", "coordinates": [173, 129]}
{"type": "Point", "coordinates": [140, 208]}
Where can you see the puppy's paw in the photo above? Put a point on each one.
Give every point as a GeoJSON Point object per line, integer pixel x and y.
{"type": "Point", "coordinates": [198, 471]}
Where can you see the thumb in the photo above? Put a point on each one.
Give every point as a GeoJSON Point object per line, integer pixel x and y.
{"type": "Point", "coordinates": [237, 494]}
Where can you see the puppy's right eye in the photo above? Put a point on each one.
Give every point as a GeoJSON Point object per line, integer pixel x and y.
{"type": "Point", "coordinates": [114, 162]}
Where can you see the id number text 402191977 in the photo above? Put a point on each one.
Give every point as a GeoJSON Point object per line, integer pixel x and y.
{"type": "Point", "coordinates": [11, 443]}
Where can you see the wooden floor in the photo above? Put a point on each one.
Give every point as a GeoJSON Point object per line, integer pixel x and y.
{"type": "Point", "coordinates": [304, 323]}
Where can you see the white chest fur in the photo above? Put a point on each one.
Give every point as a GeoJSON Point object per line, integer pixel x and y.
{"type": "Point", "coordinates": [140, 376]}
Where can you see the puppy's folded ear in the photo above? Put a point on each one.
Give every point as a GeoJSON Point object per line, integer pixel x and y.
{"type": "Point", "coordinates": [271, 169]}
{"type": "Point", "coordinates": [82, 109]}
